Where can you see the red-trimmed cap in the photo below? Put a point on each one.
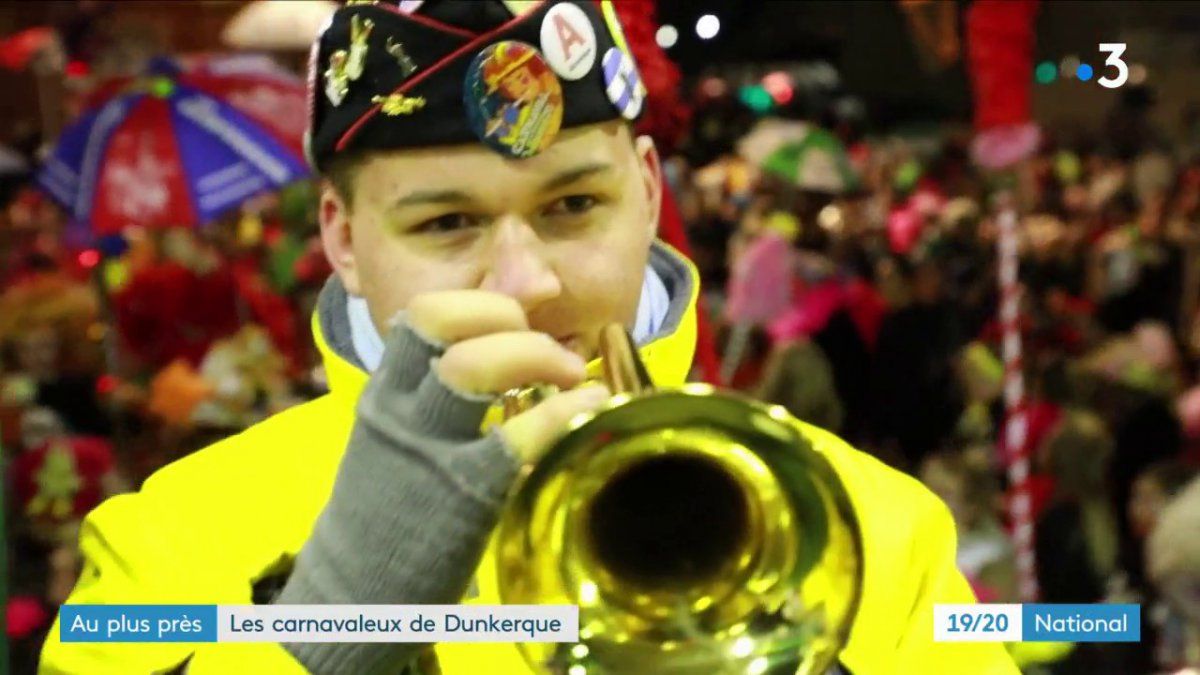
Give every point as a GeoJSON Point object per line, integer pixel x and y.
{"type": "Point", "coordinates": [385, 79]}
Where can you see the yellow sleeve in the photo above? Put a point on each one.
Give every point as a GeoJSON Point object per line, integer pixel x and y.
{"type": "Point", "coordinates": [129, 559]}
{"type": "Point", "coordinates": [941, 582]}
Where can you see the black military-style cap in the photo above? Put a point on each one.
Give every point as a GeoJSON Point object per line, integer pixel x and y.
{"type": "Point", "coordinates": [506, 73]}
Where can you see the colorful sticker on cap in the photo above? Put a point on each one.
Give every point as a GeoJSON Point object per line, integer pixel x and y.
{"type": "Point", "coordinates": [568, 41]}
{"type": "Point", "coordinates": [513, 99]}
{"type": "Point", "coordinates": [622, 83]}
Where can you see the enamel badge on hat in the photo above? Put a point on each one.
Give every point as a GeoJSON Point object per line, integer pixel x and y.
{"type": "Point", "coordinates": [347, 66]}
{"type": "Point", "coordinates": [568, 41]}
{"type": "Point", "coordinates": [622, 83]}
{"type": "Point", "coordinates": [514, 101]}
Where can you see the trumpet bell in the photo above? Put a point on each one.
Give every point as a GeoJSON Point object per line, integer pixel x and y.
{"type": "Point", "coordinates": [698, 532]}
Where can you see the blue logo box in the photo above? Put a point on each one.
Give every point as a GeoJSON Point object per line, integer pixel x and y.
{"type": "Point", "coordinates": [138, 623]}
{"type": "Point", "coordinates": [1081, 623]}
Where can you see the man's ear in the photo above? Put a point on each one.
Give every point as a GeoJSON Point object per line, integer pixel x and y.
{"type": "Point", "coordinates": [652, 178]}
{"type": "Point", "coordinates": [337, 237]}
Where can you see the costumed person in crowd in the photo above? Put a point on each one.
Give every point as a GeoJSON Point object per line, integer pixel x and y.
{"type": "Point", "coordinates": [982, 378]}
{"type": "Point", "coordinates": [1153, 490]}
{"type": "Point", "coordinates": [841, 313]}
{"type": "Point", "coordinates": [248, 377]}
{"type": "Point", "coordinates": [1136, 378]}
{"type": "Point", "coordinates": [178, 305]}
{"type": "Point", "coordinates": [915, 391]}
{"type": "Point", "coordinates": [1077, 535]}
{"type": "Point", "coordinates": [1137, 272]}
{"type": "Point", "coordinates": [59, 478]}
{"type": "Point", "coordinates": [798, 376]}
{"type": "Point", "coordinates": [44, 327]}
{"type": "Point", "coordinates": [1183, 230]}
{"type": "Point", "coordinates": [1187, 408]}
{"type": "Point", "coordinates": [464, 267]}
{"type": "Point", "coordinates": [969, 266]}
{"type": "Point", "coordinates": [759, 288]}
{"type": "Point", "coordinates": [55, 481]}
{"type": "Point", "coordinates": [1172, 561]}
{"type": "Point", "coordinates": [966, 481]}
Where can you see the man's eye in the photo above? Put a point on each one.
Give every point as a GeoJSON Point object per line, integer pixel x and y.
{"type": "Point", "coordinates": [573, 205]}
{"type": "Point", "coordinates": [451, 222]}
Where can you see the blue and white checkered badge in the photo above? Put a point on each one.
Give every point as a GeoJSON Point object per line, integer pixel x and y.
{"type": "Point", "coordinates": [622, 83]}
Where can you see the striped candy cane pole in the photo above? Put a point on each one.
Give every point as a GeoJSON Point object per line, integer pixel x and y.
{"type": "Point", "coordinates": [1016, 424]}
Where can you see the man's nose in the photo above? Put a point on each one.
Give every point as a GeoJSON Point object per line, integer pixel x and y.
{"type": "Point", "coordinates": [518, 266]}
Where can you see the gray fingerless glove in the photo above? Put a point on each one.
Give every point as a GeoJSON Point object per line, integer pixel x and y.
{"type": "Point", "coordinates": [417, 495]}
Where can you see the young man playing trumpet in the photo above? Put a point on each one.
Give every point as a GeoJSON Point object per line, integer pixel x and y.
{"type": "Point", "coordinates": [468, 262]}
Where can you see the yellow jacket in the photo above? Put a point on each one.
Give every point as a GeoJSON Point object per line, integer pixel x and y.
{"type": "Point", "coordinates": [204, 528]}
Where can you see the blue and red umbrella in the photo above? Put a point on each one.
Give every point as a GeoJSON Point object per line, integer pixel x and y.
{"type": "Point", "coordinates": [253, 84]}
{"type": "Point", "coordinates": [165, 153]}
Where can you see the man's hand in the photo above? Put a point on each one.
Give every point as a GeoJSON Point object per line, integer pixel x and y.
{"type": "Point", "coordinates": [490, 349]}
{"type": "Point", "coordinates": [419, 491]}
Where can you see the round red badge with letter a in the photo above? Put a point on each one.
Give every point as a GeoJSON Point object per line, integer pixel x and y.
{"type": "Point", "coordinates": [568, 41]}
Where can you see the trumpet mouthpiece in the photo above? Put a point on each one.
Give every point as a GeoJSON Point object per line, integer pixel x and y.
{"type": "Point", "coordinates": [624, 372]}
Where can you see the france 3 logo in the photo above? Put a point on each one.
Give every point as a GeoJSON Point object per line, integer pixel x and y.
{"type": "Point", "coordinates": [1116, 72]}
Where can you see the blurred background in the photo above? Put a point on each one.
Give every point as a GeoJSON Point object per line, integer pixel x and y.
{"type": "Point", "coordinates": [924, 224]}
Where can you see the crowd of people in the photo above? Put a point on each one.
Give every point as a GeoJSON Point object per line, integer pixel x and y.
{"type": "Point", "coordinates": [124, 355]}
{"type": "Point", "coordinates": [850, 278]}
{"type": "Point", "coordinates": [869, 305]}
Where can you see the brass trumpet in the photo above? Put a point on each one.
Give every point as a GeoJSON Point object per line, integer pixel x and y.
{"type": "Point", "coordinates": [696, 529]}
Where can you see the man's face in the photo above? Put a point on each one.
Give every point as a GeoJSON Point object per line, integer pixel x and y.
{"type": "Point", "coordinates": [566, 233]}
